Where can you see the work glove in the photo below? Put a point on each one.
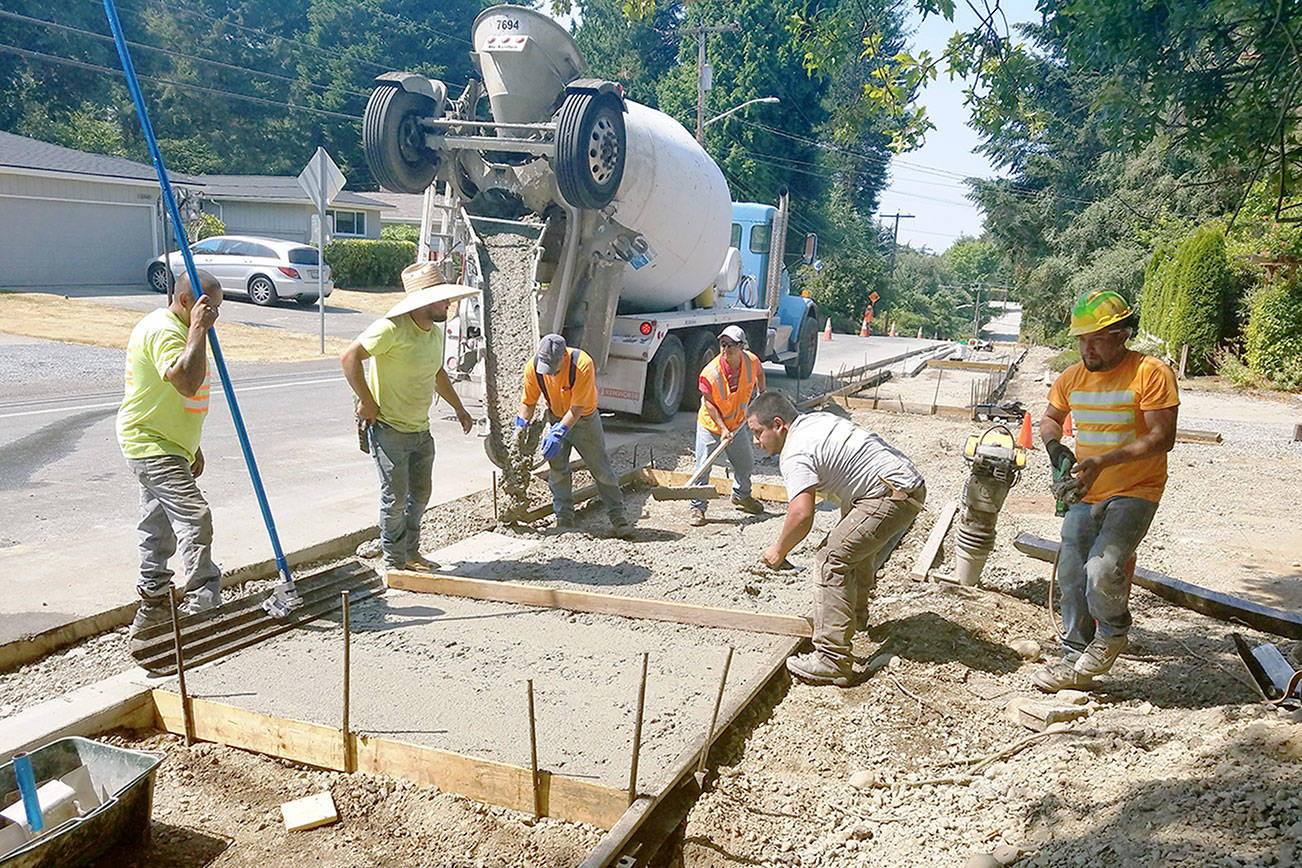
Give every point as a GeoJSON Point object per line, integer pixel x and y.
{"type": "Point", "coordinates": [1065, 487]}
{"type": "Point", "coordinates": [551, 443]}
{"type": "Point", "coordinates": [521, 432]}
{"type": "Point", "coordinates": [1060, 457]}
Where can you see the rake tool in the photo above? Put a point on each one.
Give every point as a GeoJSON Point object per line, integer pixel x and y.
{"type": "Point", "coordinates": [690, 490]}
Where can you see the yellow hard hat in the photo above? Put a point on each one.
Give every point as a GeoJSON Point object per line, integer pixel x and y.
{"type": "Point", "coordinates": [1097, 309]}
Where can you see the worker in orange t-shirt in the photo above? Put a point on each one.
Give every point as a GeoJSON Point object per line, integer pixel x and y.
{"type": "Point", "coordinates": [727, 384]}
{"type": "Point", "coordinates": [566, 380]}
{"type": "Point", "coordinates": [1124, 406]}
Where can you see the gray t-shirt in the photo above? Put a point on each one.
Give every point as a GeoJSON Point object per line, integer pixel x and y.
{"type": "Point", "coordinates": [842, 461]}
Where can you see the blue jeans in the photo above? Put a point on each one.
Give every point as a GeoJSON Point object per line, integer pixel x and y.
{"type": "Point", "coordinates": [588, 437]}
{"type": "Point", "coordinates": [405, 462]}
{"type": "Point", "coordinates": [1097, 541]}
{"type": "Point", "coordinates": [172, 512]}
{"type": "Point", "coordinates": [739, 456]}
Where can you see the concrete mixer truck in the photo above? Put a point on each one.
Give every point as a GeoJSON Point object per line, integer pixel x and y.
{"type": "Point", "coordinates": [622, 219]}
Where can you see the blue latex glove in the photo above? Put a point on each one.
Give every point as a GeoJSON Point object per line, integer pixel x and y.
{"type": "Point", "coordinates": [551, 444]}
{"type": "Point", "coordinates": [521, 429]}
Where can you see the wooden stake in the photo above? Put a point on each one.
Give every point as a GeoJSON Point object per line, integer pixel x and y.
{"type": "Point", "coordinates": [940, 373]}
{"type": "Point", "coordinates": [637, 733]}
{"type": "Point", "coordinates": [348, 763]}
{"type": "Point", "coordinates": [533, 756]}
{"type": "Point", "coordinates": [186, 713]}
{"type": "Point", "coordinates": [714, 718]}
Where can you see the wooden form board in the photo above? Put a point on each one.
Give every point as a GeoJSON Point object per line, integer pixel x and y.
{"type": "Point", "coordinates": [1225, 607]}
{"type": "Point", "coordinates": [964, 365]}
{"type": "Point", "coordinates": [1191, 435]}
{"type": "Point", "coordinates": [931, 549]}
{"type": "Point", "coordinates": [672, 479]}
{"type": "Point", "coordinates": [587, 492]}
{"type": "Point", "coordinates": [323, 746]}
{"type": "Point", "coordinates": [892, 405]}
{"type": "Point", "coordinates": [601, 604]}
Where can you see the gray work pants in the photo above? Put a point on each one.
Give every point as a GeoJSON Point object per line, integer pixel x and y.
{"type": "Point", "coordinates": [1097, 541]}
{"type": "Point", "coordinates": [588, 437]}
{"type": "Point", "coordinates": [405, 463]}
{"type": "Point", "coordinates": [174, 514]}
{"type": "Point", "coordinates": [848, 564]}
{"type": "Point", "coordinates": [739, 456]}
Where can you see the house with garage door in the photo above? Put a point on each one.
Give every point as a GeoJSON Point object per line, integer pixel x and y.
{"type": "Point", "coordinates": [69, 218]}
{"type": "Point", "coordinates": [275, 206]}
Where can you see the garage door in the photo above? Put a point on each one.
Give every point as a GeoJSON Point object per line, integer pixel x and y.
{"type": "Point", "coordinates": [50, 244]}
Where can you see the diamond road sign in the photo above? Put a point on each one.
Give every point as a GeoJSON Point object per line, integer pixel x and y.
{"type": "Point", "coordinates": [872, 296]}
{"type": "Point", "coordinates": [321, 169]}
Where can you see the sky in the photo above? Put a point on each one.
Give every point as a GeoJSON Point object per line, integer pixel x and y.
{"type": "Point", "coordinates": [927, 183]}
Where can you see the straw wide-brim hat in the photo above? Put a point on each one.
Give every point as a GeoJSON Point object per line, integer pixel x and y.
{"type": "Point", "coordinates": [424, 285]}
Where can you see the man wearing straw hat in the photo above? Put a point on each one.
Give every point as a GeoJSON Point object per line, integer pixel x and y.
{"type": "Point", "coordinates": [394, 397]}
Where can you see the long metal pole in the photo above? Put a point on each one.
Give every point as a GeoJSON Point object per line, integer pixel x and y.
{"type": "Point", "coordinates": [320, 243]}
{"type": "Point", "coordinates": [533, 756]}
{"type": "Point", "coordinates": [714, 719]}
{"type": "Point", "coordinates": [137, 97]}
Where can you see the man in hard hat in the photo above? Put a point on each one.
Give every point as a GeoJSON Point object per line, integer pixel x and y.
{"type": "Point", "coordinates": [727, 385]}
{"type": "Point", "coordinates": [394, 396]}
{"type": "Point", "coordinates": [879, 491]}
{"type": "Point", "coordinates": [566, 380]}
{"type": "Point", "coordinates": [1123, 405]}
{"type": "Point", "coordinates": [158, 426]}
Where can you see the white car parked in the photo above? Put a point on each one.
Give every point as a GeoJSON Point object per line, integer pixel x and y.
{"type": "Point", "coordinates": [266, 269]}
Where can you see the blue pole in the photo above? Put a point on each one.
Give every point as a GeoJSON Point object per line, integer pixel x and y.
{"type": "Point", "coordinates": [133, 85]}
{"type": "Point", "coordinates": [27, 786]}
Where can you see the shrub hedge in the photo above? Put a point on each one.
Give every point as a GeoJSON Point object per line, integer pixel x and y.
{"type": "Point", "coordinates": [1185, 295]}
{"type": "Point", "coordinates": [364, 262]}
{"type": "Point", "coordinates": [1273, 337]}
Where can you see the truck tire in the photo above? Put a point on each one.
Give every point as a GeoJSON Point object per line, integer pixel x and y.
{"type": "Point", "coordinates": [590, 149]}
{"type": "Point", "coordinates": [807, 348]}
{"type": "Point", "coordinates": [394, 140]}
{"type": "Point", "coordinates": [701, 348]}
{"type": "Point", "coordinates": [664, 381]}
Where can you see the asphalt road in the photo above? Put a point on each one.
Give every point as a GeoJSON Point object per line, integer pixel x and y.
{"type": "Point", "coordinates": [68, 502]}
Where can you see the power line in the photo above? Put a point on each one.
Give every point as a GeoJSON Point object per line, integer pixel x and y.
{"type": "Point", "coordinates": [95, 67]}
{"type": "Point", "coordinates": [170, 53]}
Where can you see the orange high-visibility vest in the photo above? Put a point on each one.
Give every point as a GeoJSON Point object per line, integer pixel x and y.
{"type": "Point", "coordinates": [731, 405]}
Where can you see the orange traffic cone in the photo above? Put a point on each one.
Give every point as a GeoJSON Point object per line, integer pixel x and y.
{"type": "Point", "coordinates": [1024, 439]}
{"type": "Point", "coordinates": [919, 332]}
{"type": "Point", "coordinates": [1066, 426]}
{"type": "Point", "coordinates": [827, 330]}
{"type": "Point", "coordinates": [863, 329]}
{"type": "Point", "coordinates": [892, 331]}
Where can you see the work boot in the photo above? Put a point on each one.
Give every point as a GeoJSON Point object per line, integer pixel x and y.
{"type": "Point", "coordinates": [696, 518]}
{"type": "Point", "coordinates": [748, 504]}
{"type": "Point", "coordinates": [1095, 660]}
{"type": "Point", "coordinates": [620, 528]}
{"type": "Point", "coordinates": [153, 612]}
{"type": "Point", "coordinates": [563, 525]}
{"type": "Point", "coordinates": [422, 564]}
{"type": "Point", "coordinates": [815, 668]}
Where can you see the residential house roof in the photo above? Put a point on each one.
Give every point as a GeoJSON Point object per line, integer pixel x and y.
{"type": "Point", "coordinates": [277, 188]}
{"type": "Point", "coordinates": [21, 152]}
{"type": "Point", "coordinates": [406, 206]}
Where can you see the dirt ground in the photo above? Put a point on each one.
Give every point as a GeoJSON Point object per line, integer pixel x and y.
{"type": "Point", "coordinates": [1175, 763]}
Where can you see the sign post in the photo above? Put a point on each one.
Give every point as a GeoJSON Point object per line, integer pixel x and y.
{"type": "Point", "coordinates": [322, 180]}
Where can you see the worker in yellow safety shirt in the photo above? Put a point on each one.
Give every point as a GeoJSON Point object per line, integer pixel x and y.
{"type": "Point", "coordinates": [727, 385]}
{"type": "Point", "coordinates": [1124, 406]}
{"type": "Point", "coordinates": [566, 380]}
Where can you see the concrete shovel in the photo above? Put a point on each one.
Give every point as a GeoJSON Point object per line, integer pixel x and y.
{"type": "Point", "coordinates": [690, 490]}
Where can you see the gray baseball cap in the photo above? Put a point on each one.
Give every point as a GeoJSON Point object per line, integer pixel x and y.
{"type": "Point", "coordinates": [734, 334]}
{"type": "Point", "coordinates": [551, 349]}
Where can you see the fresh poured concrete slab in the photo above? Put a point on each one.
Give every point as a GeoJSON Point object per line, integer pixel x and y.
{"type": "Point", "coordinates": [451, 674]}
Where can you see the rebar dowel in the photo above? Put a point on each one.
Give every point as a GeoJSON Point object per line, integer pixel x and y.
{"type": "Point", "coordinates": [940, 373]}
{"type": "Point", "coordinates": [714, 717]}
{"type": "Point", "coordinates": [187, 721]}
{"type": "Point", "coordinates": [348, 765]}
{"type": "Point", "coordinates": [637, 733]}
{"type": "Point", "coordinates": [533, 756]}
{"type": "Point", "coordinates": [495, 494]}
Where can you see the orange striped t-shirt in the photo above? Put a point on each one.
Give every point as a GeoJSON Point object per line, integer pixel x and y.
{"type": "Point", "coordinates": [1107, 412]}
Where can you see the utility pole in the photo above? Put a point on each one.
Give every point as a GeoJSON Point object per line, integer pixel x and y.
{"type": "Point", "coordinates": [700, 33]}
{"type": "Point", "coordinates": [895, 237]}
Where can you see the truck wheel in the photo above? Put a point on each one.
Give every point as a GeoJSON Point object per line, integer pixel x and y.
{"type": "Point", "coordinates": [664, 381]}
{"type": "Point", "coordinates": [394, 140]}
{"type": "Point", "coordinates": [702, 347]}
{"type": "Point", "coordinates": [590, 149]}
{"type": "Point", "coordinates": [807, 348]}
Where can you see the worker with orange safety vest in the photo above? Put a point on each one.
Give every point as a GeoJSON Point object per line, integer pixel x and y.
{"type": "Point", "coordinates": [1124, 405]}
{"type": "Point", "coordinates": [727, 384]}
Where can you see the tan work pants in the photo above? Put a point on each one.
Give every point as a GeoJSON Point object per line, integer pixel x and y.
{"type": "Point", "coordinates": [847, 567]}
